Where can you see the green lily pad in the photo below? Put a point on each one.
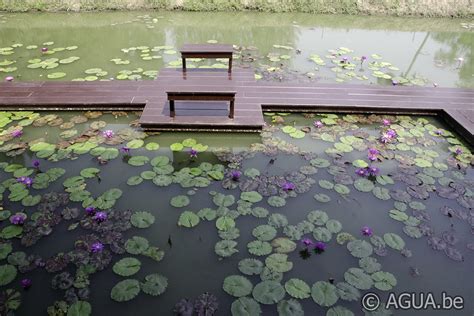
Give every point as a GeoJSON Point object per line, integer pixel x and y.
{"type": "Point", "coordinates": [321, 197]}
{"type": "Point", "coordinates": [180, 201]}
{"type": "Point", "coordinates": [56, 75]}
{"type": "Point", "coordinates": [89, 172]}
{"type": "Point", "coordinates": [125, 290]}
{"type": "Point", "coordinates": [276, 201]}
{"type": "Point", "coordinates": [381, 193]}
{"type": "Point", "coordinates": [136, 143]}
{"type": "Point", "coordinates": [155, 284]}
{"type": "Point", "coordinates": [278, 262]}
{"type": "Point", "coordinates": [290, 307]}
{"type": "Point", "coordinates": [79, 308]}
{"type": "Point", "coordinates": [369, 264]}
{"type": "Point", "coordinates": [136, 245]}
{"type": "Point", "coordinates": [347, 292]}
{"type": "Point", "coordinates": [358, 278]}
{"type": "Point", "coordinates": [138, 161]}
{"type": "Point", "coordinates": [268, 292]}
{"type": "Point", "coordinates": [394, 241]}
{"type": "Point", "coordinates": [251, 172]}
{"type": "Point", "coordinates": [237, 285]}
{"type": "Point", "coordinates": [225, 222]}
{"type": "Point", "coordinates": [264, 232]}
{"type": "Point", "coordinates": [360, 248]}
{"type": "Point", "coordinates": [297, 288]}
{"type": "Point", "coordinates": [259, 248]}
{"type": "Point", "coordinates": [225, 248]}
{"type": "Point", "coordinates": [5, 249]}
{"type": "Point", "coordinates": [127, 266]}
{"type": "Point", "coordinates": [250, 266]}
{"type": "Point", "coordinates": [363, 185]}
{"type": "Point", "coordinates": [135, 180]}
{"type": "Point", "coordinates": [251, 196]}
{"type": "Point", "coordinates": [324, 293]}
{"type": "Point", "coordinates": [152, 146]}
{"type": "Point", "coordinates": [318, 217]}
{"type": "Point", "coordinates": [333, 226]}
{"type": "Point", "coordinates": [339, 311]}
{"type": "Point", "coordinates": [142, 219]}
{"type": "Point", "coordinates": [11, 231]}
{"type": "Point", "coordinates": [245, 306]}
{"type": "Point", "coordinates": [384, 281]}
{"type": "Point", "coordinates": [283, 245]}
{"type": "Point", "coordinates": [7, 274]}
{"type": "Point", "coordinates": [188, 219]}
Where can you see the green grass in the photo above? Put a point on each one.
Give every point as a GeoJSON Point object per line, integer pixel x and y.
{"type": "Point", "coordinates": [429, 8]}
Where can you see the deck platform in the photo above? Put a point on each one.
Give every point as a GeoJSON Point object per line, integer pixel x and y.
{"type": "Point", "coordinates": [455, 105]}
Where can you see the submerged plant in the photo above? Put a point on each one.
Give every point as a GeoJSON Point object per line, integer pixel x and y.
{"type": "Point", "coordinates": [206, 304]}
{"type": "Point", "coordinates": [183, 308]}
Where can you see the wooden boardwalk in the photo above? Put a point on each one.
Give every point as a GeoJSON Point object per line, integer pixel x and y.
{"type": "Point", "coordinates": [455, 105]}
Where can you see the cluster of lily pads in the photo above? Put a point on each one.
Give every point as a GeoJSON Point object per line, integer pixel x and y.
{"type": "Point", "coordinates": [396, 160]}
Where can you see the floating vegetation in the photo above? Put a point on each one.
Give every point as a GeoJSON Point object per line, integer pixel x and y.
{"type": "Point", "coordinates": [243, 208]}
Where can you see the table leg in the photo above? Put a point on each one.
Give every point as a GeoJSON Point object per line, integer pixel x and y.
{"type": "Point", "coordinates": [184, 63]}
{"type": "Point", "coordinates": [231, 109]}
{"type": "Point", "coordinates": [230, 64]}
{"type": "Point", "coordinates": [172, 113]}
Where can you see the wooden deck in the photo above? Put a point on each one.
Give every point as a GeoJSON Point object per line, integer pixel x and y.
{"type": "Point", "coordinates": [455, 105]}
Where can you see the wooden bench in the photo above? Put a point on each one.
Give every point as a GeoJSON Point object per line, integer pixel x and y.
{"type": "Point", "coordinates": [207, 51]}
{"type": "Point", "coordinates": [201, 96]}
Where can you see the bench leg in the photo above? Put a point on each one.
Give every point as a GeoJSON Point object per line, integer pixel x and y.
{"type": "Point", "coordinates": [231, 109]}
{"type": "Point", "coordinates": [230, 65]}
{"type": "Point", "coordinates": [172, 113]}
{"type": "Point", "coordinates": [184, 64]}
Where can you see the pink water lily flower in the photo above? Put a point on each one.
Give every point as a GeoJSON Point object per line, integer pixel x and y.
{"type": "Point", "coordinates": [16, 133]}
{"type": "Point", "coordinates": [9, 79]}
{"type": "Point", "coordinates": [108, 133]}
{"type": "Point", "coordinates": [386, 122]}
{"type": "Point", "coordinates": [318, 124]}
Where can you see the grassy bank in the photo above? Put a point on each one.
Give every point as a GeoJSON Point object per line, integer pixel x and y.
{"type": "Point", "coordinates": [429, 8]}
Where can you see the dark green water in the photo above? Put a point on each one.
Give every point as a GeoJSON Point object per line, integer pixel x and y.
{"type": "Point", "coordinates": [411, 51]}
{"type": "Point", "coordinates": [428, 177]}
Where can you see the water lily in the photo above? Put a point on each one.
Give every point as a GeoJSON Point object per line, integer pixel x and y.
{"type": "Point", "coordinates": [100, 217]}
{"type": "Point", "coordinates": [9, 79]}
{"type": "Point", "coordinates": [344, 60]}
{"type": "Point", "coordinates": [373, 151]}
{"type": "Point", "coordinates": [236, 174]}
{"type": "Point", "coordinates": [318, 124]}
{"type": "Point", "coordinates": [361, 172]}
{"type": "Point", "coordinates": [439, 132]}
{"type": "Point", "coordinates": [90, 210]}
{"type": "Point", "coordinates": [16, 133]}
{"type": "Point", "coordinates": [26, 283]}
{"type": "Point", "coordinates": [307, 242]}
{"type": "Point", "coordinates": [125, 150]}
{"type": "Point", "coordinates": [362, 59]}
{"type": "Point", "coordinates": [372, 157]}
{"type": "Point", "coordinates": [97, 247]}
{"type": "Point", "coordinates": [288, 186]}
{"type": "Point", "coordinates": [373, 171]}
{"type": "Point", "coordinates": [36, 163]}
{"type": "Point", "coordinates": [394, 83]}
{"type": "Point", "coordinates": [391, 133]}
{"type": "Point", "coordinates": [18, 219]}
{"type": "Point", "coordinates": [108, 133]}
{"type": "Point", "coordinates": [319, 247]}
{"type": "Point", "coordinates": [366, 231]}
{"type": "Point", "coordinates": [193, 153]}
{"type": "Point", "coordinates": [458, 151]}
{"type": "Point", "coordinates": [25, 180]}
{"type": "Point", "coordinates": [386, 122]}
{"type": "Point", "coordinates": [44, 49]}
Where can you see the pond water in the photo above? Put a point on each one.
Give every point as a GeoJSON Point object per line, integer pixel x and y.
{"type": "Point", "coordinates": [134, 45]}
{"type": "Point", "coordinates": [227, 214]}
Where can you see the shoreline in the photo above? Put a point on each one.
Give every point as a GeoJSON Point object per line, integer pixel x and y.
{"type": "Point", "coordinates": [401, 8]}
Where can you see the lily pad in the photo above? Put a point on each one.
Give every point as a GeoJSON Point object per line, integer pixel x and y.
{"type": "Point", "coordinates": [251, 196]}
{"type": "Point", "coordinates": [127, 266]}
{"type": "Point", "coordinates": [138, 160]}
{"type": "Point", "coordinates": [324, 293]}
{"type": "Point", "coordinates": [155, 284]}
{"type": "Point", "coordinates": [250, 266]}
{"type": "Point", "coordinates": [225, 248]}
{"type": "Point", "coordinates": [358, 278]}
{"type": "Point", "coordinates": [384, 281]}
{"type": "Point", "coordinates": [268, 292]}
{"type": "Point", "coordinates": [142, 219]}
{"type": "Point", "coordinates": [125, 290]}
{"type": "Point", "coordinates": [339, 311]}
{"type": "Point", "coordinates": [278, 262]}
{"type": "Point", "coordinates": [225, 223]}
{"type": "Point", "coordinates": [290, 307]}
{"type": "Point", "coordinates": [188, 219]}
{"type": "Point", "coordinates": [259, 248]}
{"type": "Point", "coordinates": [245, 306]}
{"type": "Point", "coordinates": [276, 201]}
{"type": "Point", "coordinates": [394, 241]}
{"type": "Point", "coordinates": [136, 245]}
{"type": "Point", "coordinates": [180, 201]}
{"type": "Point", "coordinates": [297, 288]}
{"type": "Point", "coordinates": [237, 285]}
{"type": "Point", "coordinates": [264, 232]}
{"type": "Point", "coordinates": [360, 248]}
{"type": "Point", "coordinates": [363, 185]}
{"type": "Point", "coordinates": [7, 274]}
{"type": "Point", "coordinates": [79, 308]}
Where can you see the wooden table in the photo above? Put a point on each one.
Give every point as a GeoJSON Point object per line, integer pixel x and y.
{"type": "Point", "coordinates": [193, 95]}
{"type": "Point", "coordinates": [207, 51]}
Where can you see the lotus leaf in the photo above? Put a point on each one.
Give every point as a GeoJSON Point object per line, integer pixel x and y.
{"type": "Point", "coordinates": [162, 180]}
{"type": "Point", "coordinates": [358, 278]}
{"type": "Point", "coordinates": [112, 194]}
{"type": "Point", "coordinates": [384, 180]}
{"type": "Point", "coordinates": [278, 262]}
{"type": "Point", "coordinates": [127, 266]}
{"type": "Point", "coordinates": [324, 293]}
{"type": "Point", "coordinates": [142, 219]}
{"type": "Point", "coordinates": [223, 200]}
{"type": "Point", "coordinates": [325, 184]}
{"type": "Point", "coordinates": [398, 215]}
{"type": "Point", "coordinates": [245, 306]}
{"type": "Point", "coordinates": [5, 249]}
{"type": "Point", "coordinates": [359, 248]}
{"type": "Point", "coordinates": [341, 189]}
{"type": "Point", "coordinates": [155, 284]}
{"type": "Point", "coordinates": [321, 197]}
{"type": "Point", "coordinates": [264, 232]}
{"type": "Point", "coordinates": [207, 214]}
{"type": "Point", "coordinates": [154, 253]}
{"type": "Point", "coordinates": [394, 241]}
{"type": "Point", "coordinates": [297, 288]}
{"type": "Point", "coordinates": [237, 285]}
{"type": "Point", "coordinates": [31, 200]}
{"type": "Point", "coordinates": [268, 292]}
{"type": "Point", "coordinates": [250, 266]}
{"type": "Point", "coordinates": [11, 231]}
{"type": "Point", "coordinates": [56, 75]}
{"type": "Point", "coordinates": [7, 274]}
{"type": "Point", "coordinates": [180, 201]}
{"type": "Point", "coordinates": [125, 290]}
{"type": "Point", "coordinates": [318, 217]}
{"type": "Point", "coordinates": [252, 172]}
{"type": "Point", "coordinates": [188, 219]}
{"type": "Point", "coordinates": [148, 175]}
{"type": "Point", "coordinates": [413, 232]}
{"type": "Point", "coordinates": [225, 248]}
{"type": "Point", "coordinates": [384, 281]}
{"type": "Point", "coordinates": [138, 160]}
{"type": "Point", "coordinates": [79, 308]}
{"type": "Point", "coordinates": [136, 245]}
{"type": "Point", "coordinates": [259, 248]}
{"type": "Point", "coordinates": [176, 147]}
{"type": "Point", "coordinates": [381, 193]}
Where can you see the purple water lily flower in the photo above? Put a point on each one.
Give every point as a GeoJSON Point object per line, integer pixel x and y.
{"type": "Point", "coordinates": [100, 217]}
{"type": "Point", "coordinates": [386, 122]}
{"type": "Point", "coordinates": [362, 59]}
{"type": "Point", "coordinates": [125, 150]}
{"type": "Point", "coordinates": [366, 231]}
{"type": "Point", "coordinates": [373, 151]}
{"type": "Point", "coordinates": [108, 133]}
{"type": "Point", "coordinates": [439, 132]}
{"type": "Point", "coordinates": [319, 247]}
{"type": "Point", "coordinates": [288, 186]}
{"type": "Point", "coordinates": [90, 210]}
{"type": "Point", "coordinates": [372, 157]}
{"type": "Point", "coordinates": [9, 79]}
{"type": "Point", "coordinates": [26, 283]}
{"type": "Point", "coordinates": [373, 171]}
{"type": "Point", "coordinates": [307, 242]}
{"type": "Point", "coordinates": [394, 83]}
{"type": "Point", "coordinates": [18, 219]}
{"type": "Point", "coordinates": [458, 151]}
{"type": "Point", "coordinates": [25, 180]}
{"type": "Point", "coordinates": [193, 153]}
{"type": "Point", "coordinates": [391, 133]}
{"type": "Point", "coordinates": [236, 174]}
{"type": "Point", "coordinates": [36, 163]}
{"type": "Point", "coordinates": [361, 172]}
{"type": "Point", "coordinates": [97, 247]}
{"type": "Point", "coordinates": [344, 60]}
{"type": "Point", "coordinates": [318, 124]}
{"type": "Point", "coordinates": [16, 133]}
